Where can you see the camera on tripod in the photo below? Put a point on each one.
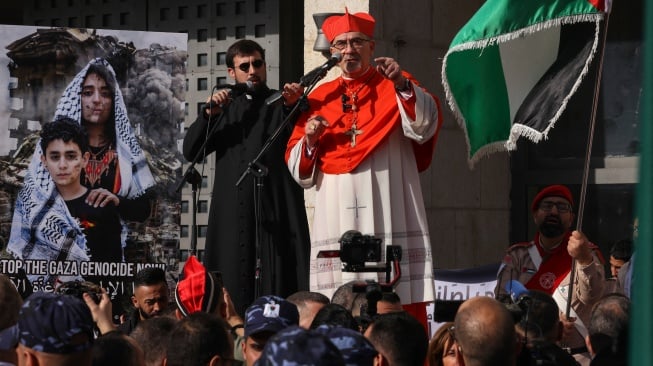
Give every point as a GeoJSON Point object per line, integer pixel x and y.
{"type": "Point", "coordinates": [363, 253]}
{"type": "Point", "coordinates": [357, 249]}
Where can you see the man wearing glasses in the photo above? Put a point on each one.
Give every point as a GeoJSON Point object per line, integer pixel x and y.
{"type": "Point", "coordinates": [364, 140]}
{"type": "Point", "coordinates": [260, 234]}
{"type": "Point", "coordinates": [545, 264]}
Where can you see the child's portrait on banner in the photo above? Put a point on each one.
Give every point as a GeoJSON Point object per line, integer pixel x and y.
{"type": "Point", "coordinates": [101, 209]}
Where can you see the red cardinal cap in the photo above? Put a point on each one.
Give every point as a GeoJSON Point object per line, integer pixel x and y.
{"type": "Point", "coordinates": [339, 24]}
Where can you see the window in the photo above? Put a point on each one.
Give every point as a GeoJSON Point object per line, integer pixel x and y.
{"type": "Point", "coordinates": [259, 6]}
{"type": "Point", "coordinates": [201, 11]}
{"type": "Point", "coordinates": [240, 7]}
{"type": "Point", "coordinates": [184, 231]}
{"type": "Point", "coordinates": [220, 80]}
{"type": "Point", "coordinates": [221, 34]}
{"type": "Point", "coordinates": [124, 18]}
{"type": "Point", "coordinates": [184, 206]}
{"type": "Point", "coordinates": [183, 254]}
{"type": "Point", "coordinates": [220, 9]}
{"type": "Point", "coordinates": [240, 32]}
{"type": "Point", "coordinates": [202, 35]}
{"type": "Point", "coordinates": [183, 12]}
{"type": "Point", "coordinates": [259, 30]}
{"type": "Point", "coordinates": [202, 84]}
{"type": "Point", "coordinates": [201, 231]}
{"type": "Point", "coordinates": [202, 59]}
{"type": "Point", "coordinates": [187, 83]}
{"type": "Point", "coordinates": [221, 58]}
{"type": "Point", "coordinates": [164, 13]}
{"type": "Point", "coordinates": [106, 20]}
{"type": "Point", "coordinates": [200, 108]}
{"type": "Point", "coordinates": [203, 206]}
{"type": "Point", "coordinates": [186, 108]}
{"type": "Point", "coordinates": [205, 181]}
{"type": "Point", "coordinates": [89, 21]}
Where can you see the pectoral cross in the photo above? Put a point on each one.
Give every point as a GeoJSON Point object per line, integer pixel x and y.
{"type": "Point", "coordinates": [352, 133]}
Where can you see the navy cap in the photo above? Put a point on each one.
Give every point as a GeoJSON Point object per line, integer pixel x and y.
{"type": "Point", "coordinates": [270, 314]}
{"type": "Point", "coordinates": [296, 346]}
{"type": "Point", "coordinates": [53, 323]}
{"type": "Point", "coordinates": [354, 347]}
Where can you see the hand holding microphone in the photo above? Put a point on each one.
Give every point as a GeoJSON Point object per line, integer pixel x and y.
{"type": "Point", "coordinates": [223, 96]}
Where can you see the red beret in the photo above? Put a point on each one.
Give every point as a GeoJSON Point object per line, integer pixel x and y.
{"type": "Point", "coordinates": [552, 191]}
{"type": "Point", "coordinates": [339, 24]}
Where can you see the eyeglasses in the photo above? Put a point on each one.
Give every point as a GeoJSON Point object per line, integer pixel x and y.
{"type": "Point", "coordinates": [356, 43]}
{"type": "Point", "coordinates": [562, 207]}
{"type": "Point", "coordinates": [244, 67]}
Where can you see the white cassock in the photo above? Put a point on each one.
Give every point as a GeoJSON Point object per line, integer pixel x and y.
{"type": "Point", "coordinates": [382, 197]}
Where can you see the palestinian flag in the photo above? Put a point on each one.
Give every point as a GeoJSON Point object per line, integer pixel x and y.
{"type": "Point", "coordinates": [511, 70]}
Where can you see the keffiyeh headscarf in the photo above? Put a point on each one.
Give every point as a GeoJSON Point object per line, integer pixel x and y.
{"type": "Point", "coordinates": [42, 227]}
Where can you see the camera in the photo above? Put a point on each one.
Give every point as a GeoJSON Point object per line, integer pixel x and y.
{"type": "Point", "coordinates": [77, 288]}
{"type": "Point", "coordinates": [356, 249]}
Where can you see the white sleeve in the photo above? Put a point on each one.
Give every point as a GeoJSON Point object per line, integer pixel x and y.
{"type": "Point", "coordinates": [293, 165]}
{"type": "Point", "coordinates": [425, 124]}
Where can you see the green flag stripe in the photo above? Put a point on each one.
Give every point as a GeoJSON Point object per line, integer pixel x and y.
{"type": "Point", "coordinates": [498, 17]}
{"type": "Point", "coordinates": [479, 106]}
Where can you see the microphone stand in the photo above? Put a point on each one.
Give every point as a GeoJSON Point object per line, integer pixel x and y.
{"type": "Point", "coordinates": [192, 176]}
{"type": "Point", "coordinates": [259, 171]}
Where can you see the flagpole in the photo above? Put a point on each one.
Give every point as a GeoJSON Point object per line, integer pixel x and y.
{"type": "Point", "coordinates": [588, 154]}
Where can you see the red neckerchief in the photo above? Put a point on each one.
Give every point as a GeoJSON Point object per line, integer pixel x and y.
{"type": "Point", "coordinates": [554, 268]}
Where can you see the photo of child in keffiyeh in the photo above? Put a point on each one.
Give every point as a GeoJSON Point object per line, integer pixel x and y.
{"type": "Point", "coordinates": [117, 173]}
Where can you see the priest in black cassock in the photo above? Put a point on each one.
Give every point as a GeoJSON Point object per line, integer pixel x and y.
{"type": "Point", "coordinates": [240, 124]}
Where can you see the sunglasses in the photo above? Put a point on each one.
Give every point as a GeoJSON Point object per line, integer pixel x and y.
{"type": "Point", "coordinates": [244, 67]}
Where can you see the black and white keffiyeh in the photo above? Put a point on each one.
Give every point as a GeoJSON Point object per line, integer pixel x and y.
{"type": "Point", "coordinates": [42, 227]}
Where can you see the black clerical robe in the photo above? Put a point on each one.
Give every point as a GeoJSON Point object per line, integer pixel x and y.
{"type": "Point", "coordinates": [236, 138]}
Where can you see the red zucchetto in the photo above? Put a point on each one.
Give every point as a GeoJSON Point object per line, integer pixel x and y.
{"type": "Point", "coordinates": [338, 24]}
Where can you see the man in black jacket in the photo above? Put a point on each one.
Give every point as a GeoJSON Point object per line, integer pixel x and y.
{"type": "Point", "coordinates": [237, 126]}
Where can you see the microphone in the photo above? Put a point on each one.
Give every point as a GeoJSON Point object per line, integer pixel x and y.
{"type": "Point", "coordinates": [234, 90]}
{"type": "Point", "coordinates": [313, 75]}
{"type": "Point", "coordinates": [320, 71]}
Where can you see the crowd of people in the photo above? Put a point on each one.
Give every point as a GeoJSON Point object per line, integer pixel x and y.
{"type": "Point", "coordinates": [196, 324]}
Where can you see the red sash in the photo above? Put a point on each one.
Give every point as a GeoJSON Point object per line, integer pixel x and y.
{"type": "Point", "coordinates": [554, 268]}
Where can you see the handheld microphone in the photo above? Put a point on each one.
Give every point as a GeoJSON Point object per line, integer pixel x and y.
{"type": "Point", "coordinates": [234, 90]}
{"type": "Point", "coordinates": [320, 71]}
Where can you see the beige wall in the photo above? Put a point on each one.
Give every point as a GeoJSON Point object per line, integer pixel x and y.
{"type": "Point", "coordinates": [468, 209]}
